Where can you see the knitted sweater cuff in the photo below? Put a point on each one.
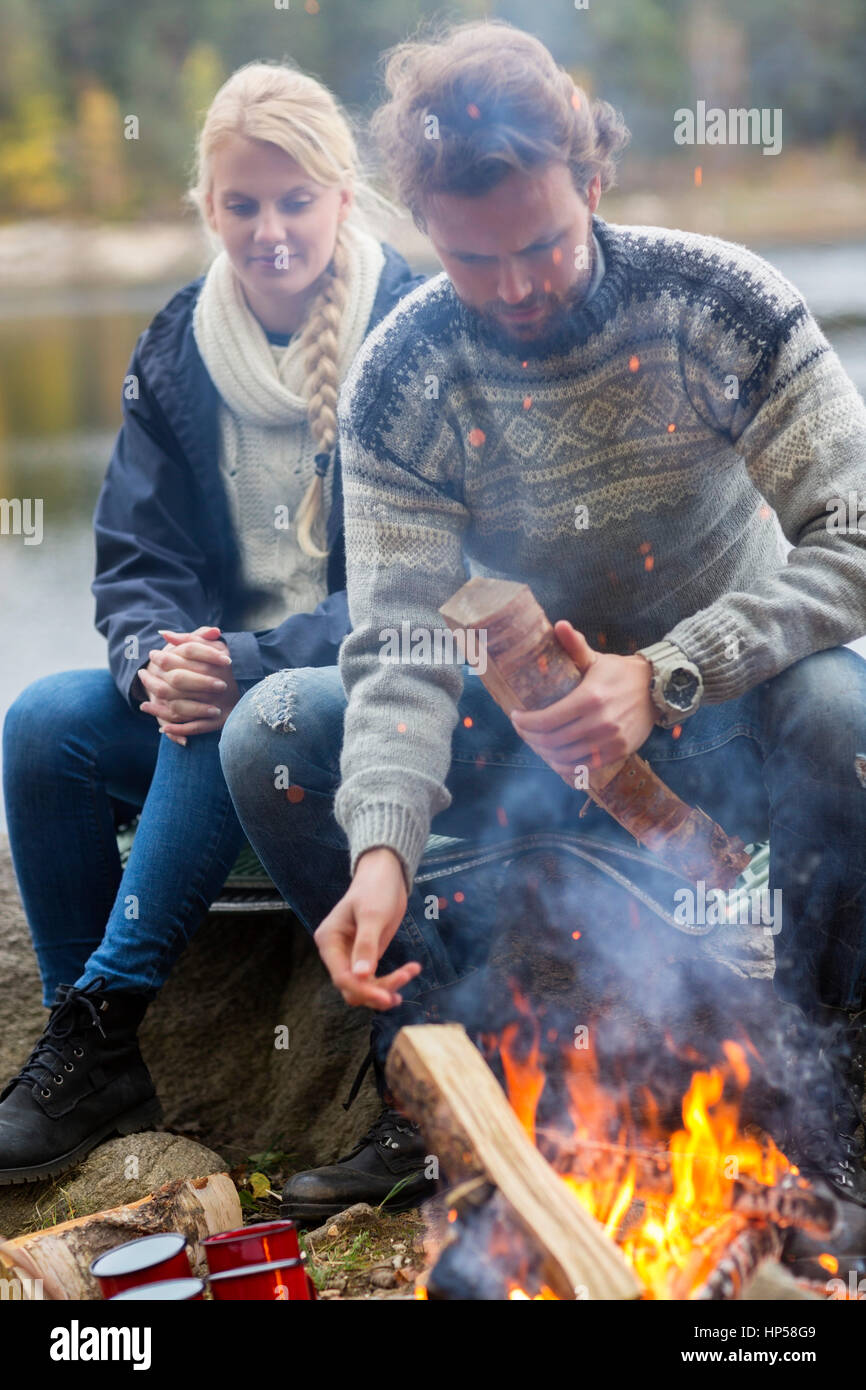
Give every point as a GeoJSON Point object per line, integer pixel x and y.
{"type": "Point", "coordinates": [712, 640]}
{"type": "Point", "coordinates": [381, 824]}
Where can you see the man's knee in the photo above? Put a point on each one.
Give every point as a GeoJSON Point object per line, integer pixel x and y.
{"type": "Point", "coordinates": [290, 725]}
{"type": "Point", "coordinates": [817, 708]}
{"type": "Point", "coordinates": [828, 685]}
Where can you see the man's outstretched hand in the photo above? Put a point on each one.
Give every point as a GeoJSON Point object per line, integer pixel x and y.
{"type": "Point", "coordinates": [609, 715]}
{"type": "Point", "coordinates": [355, 935]}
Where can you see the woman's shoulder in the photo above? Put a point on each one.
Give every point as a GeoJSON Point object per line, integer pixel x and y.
{"type": "Point", "coordinates": [167, 360]}
{"type": "Point", "coordinates": [396, 280]}
{"type": "Point", "coordinates": [169, 330]}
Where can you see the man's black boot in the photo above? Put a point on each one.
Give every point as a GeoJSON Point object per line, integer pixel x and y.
{"type": "Point", "coordinates": [84, 1081]}
{"type": "Point", "coordinates": [391, 1152]}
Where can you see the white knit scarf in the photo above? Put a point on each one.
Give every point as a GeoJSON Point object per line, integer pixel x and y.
{"type": "Point", "coordinates": [267, 449]}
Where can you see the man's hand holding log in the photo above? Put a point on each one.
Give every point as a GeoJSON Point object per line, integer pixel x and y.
{"type": "Point", "coordinates": [609, 715]}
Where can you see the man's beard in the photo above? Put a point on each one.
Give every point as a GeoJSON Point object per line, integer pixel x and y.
{"type": "Point", "coordinates": [559, 309]}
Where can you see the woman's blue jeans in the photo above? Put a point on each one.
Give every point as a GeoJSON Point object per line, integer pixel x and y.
{"type": "Point", "coordinates": [781, 762]}
{"type": "Point", "coordinates": [71, 744]}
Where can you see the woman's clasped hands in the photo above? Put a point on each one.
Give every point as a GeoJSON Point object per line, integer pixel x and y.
{"type": "Point", "coordinates": [189, 683]}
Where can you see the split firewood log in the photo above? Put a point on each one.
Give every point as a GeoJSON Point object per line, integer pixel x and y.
{"type": "Point", "coordinates": [444, 1084]}
{"type": "Point", "coordinates": [526, 668]}
{"type": "Point", "coordinates": [61, 1255]}
{"type": "Point", "coordinates": [725, 1259]}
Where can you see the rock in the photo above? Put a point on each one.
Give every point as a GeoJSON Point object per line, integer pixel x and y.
{"type": "Point", "coordinates": [209, 1040]}
{"type": "Point", "coordinates": [384, 1279]}
{"type": "Point", "coordinates": [112, 1175]}
{"type": "Point", "coordinates": [361, 1215]}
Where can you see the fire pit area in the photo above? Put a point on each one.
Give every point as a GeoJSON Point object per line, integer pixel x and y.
{"type": "Point", "coordinates": [690, 1213]}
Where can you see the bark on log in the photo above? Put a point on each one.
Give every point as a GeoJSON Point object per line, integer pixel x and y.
{"type": "Point", "coordinates": [61, 1255]}
{"type": "Point", "coordinates": [727, 1258]}
{"type": "Point", "coordinates": [526, 668]}
{"type": "Point", "coordinates": [443, 1083]}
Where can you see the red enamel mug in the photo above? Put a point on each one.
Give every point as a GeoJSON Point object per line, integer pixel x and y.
{"type": "Point", "coordinates": [284, 1281]}
{"type": "Point", "coordinates": [265, 1243]}
{"type": "Point", "coordinates": [168, 1290]}
{"type": "Point", "coordinates": [149, 1260]}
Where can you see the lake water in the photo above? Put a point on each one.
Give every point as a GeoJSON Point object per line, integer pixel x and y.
{"type": "Point", "coordinates": [62, 364]}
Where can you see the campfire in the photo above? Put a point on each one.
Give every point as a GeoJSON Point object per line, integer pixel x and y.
{"type": "Point", "coordinates": [604, 1174]}
{"type": "Point", "coordinates": [695, 1210]}
{"type": "Point", "coordinates": [687, 1212]}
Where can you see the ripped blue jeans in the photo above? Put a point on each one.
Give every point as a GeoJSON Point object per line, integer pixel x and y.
{"type": "Point", "coordinates": [784, 762]}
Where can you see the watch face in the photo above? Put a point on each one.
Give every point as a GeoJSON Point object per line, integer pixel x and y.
{"type": "Point", "coordinates": [681, 688]}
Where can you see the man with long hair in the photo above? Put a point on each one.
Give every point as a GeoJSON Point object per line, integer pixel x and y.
{"type": "Point", "coordinates": [603, 413]}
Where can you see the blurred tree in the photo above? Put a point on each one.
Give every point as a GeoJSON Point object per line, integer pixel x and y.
{"type": "Point", "coordinates": [31, 175]}
{"type": "Point", "coordinates": [161, 62]}
{"type": "Point", "coordinates": [99, 146]}
{"type": "Point", "coordinates": [32, 125]}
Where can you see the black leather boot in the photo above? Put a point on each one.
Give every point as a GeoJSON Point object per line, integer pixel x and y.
{"type": "Point", "coordinates": [84, 1081]}
{"type": "Point", "coordinates": [391, 1152]}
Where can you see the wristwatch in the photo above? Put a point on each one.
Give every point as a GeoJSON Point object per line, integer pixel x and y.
{"type": "Point", "coordinates": [675, 686]}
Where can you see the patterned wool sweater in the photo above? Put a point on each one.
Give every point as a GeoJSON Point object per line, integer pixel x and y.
{"type": "Point", "coordinates": [692, 390]}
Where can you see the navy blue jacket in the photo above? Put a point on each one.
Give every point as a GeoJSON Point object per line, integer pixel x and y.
{"type": "Point", "coordinates": [166, 554]}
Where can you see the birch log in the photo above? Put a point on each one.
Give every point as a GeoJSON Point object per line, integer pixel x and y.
{"type": "Point", "coordinates": [61, 1255]}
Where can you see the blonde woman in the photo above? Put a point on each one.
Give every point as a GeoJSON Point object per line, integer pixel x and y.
{"type": "Point", "coordinates": [219, 559]}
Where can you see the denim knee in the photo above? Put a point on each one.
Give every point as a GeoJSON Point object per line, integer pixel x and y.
{"type": "Point", "coordinates": [46, 712]}
{"type": "Point", "coordinates": [824, 693]}
{"type": "Point", "coordinates": [292, 719]}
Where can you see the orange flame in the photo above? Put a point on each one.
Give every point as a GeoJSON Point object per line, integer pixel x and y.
{"type": "Point", "coordinates": [524, 1077]}
{"type": "Point", "coordinates": [653, 1192]}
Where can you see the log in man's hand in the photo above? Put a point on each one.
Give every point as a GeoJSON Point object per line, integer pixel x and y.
{"type": "Point", "coordinates": [605, 718]}
{"type": "Point", "coordinates": [355, 935]}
